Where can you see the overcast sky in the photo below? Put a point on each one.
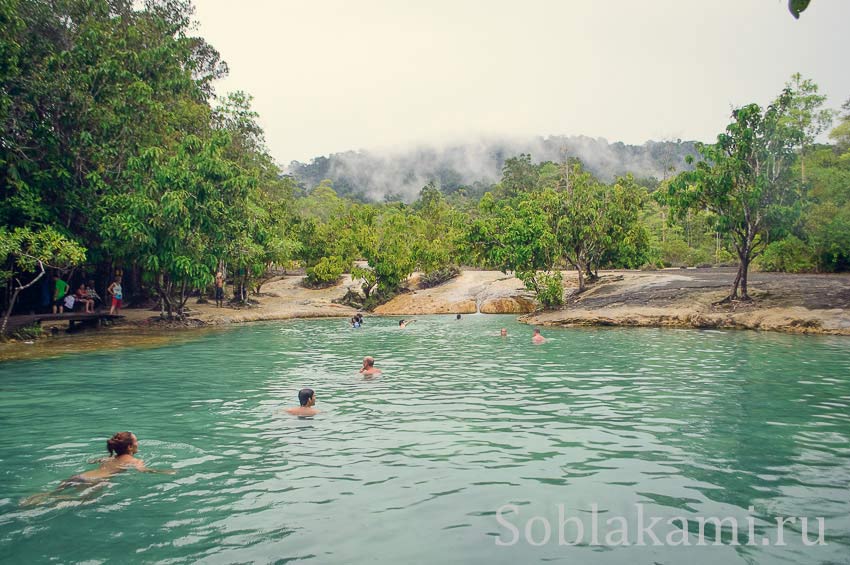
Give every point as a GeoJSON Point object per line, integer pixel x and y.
{"type": "Point", "coordinates": [329, 76]}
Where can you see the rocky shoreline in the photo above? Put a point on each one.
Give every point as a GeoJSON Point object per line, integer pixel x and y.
{"type": "Point", "coordinates": [801, 304]}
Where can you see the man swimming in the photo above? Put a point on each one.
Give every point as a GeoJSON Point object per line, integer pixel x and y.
{"type": "Point", "coordinates": [307, 399]}
{"type": "Point", "coordinates": [369, 367]}
{"type": "Point", "coordinates": [504, 332]}
{"type": "Point", "coordinates": [404, 323]}
{"type": "Point", "coordinates": [537, 338]}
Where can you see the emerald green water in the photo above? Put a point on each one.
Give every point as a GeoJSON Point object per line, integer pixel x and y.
{"type": "Point", "coordinates": [412, 466]}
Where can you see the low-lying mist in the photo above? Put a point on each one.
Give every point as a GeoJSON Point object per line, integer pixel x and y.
{"type": "Point", "coordinates": [400, 174]}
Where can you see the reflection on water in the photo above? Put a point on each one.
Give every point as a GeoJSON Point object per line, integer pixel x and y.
{"type": "Point", "coordinates": [412, 465]}
{"type": "Point", "coordinates": [93, 341]}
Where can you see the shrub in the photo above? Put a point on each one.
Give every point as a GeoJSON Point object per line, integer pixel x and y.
{"type": "Point", "coordinates": [548, 287]}
{"type": "Point", "coordinates": [326, 272]}
{"type": "Point", "coordinates": [25, 333]}
{"type": "Point", "coordinates": [789, 255]}
{"type": "Point", "coordinates": [438, 276]}
{"type": "Point", "coordinates": [674, 252]}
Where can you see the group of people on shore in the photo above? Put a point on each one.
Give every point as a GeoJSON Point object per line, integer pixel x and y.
{"type": "Point", "coordinates": [86, 296]}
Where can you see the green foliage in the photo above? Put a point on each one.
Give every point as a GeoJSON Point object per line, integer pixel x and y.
{"type": "Point", "coordinates": [439, 276]}
{"type": "Point", "coordinates": [439, 230]}
{"type": "Point", "coordinates": [34, 331]}
{"type": "Point", "coordinates": [519, 175]}
{"type": "Point", "coordinates": [368, 276]}
{"type": "Point", "coordinates": [547, 286]}
{"type": "Point", "coordinates": [326, 272]}
{"type": "Point", "coordinates": [841, 133]}
{"type": "Point", "coordinates": [569, 219]}
{"type": "Point", "coordinates": [388, 246]}
{"type": "Point", "coordinates": [826, 220]}
{"type": "Point", "coordinates": [21, 249]}
{"type": "Point", "coordinates": [24, 250]}
{"type": "Point", "coordinates": [796, 7]}
{"type": "Point", "coordinates": [743, 181]}
{"type": "Point", "coordinates": [789, 255]}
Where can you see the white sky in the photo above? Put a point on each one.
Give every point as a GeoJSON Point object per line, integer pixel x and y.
{"type": "Point", "coordinates": [329, 76]}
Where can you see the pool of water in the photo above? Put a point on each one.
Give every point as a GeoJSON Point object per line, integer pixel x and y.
{"type": "Point", "coordinates": [467, 441]}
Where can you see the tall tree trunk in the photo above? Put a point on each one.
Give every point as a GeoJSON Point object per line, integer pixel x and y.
{"type": "Point", "coordinates": [580, 279]}
{"type": "Point", "coordinates": [183, 299]}
{"type": "Point", "coordinates": [8, 313]}
{"type": "Point", "coordinates": [734, 294]}
{"type": "Point", "coordinates": [745, 266]}
{"type": "Point", "coordinates": [164, 288]}
{"type": "Point", "coordinates": [14, 298]}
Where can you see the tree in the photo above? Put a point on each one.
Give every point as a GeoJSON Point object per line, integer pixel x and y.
{"type": "Point", "coordinates": [23, 250]}
{"type": "Point", "coordinates": [826, 220]}
{"type": "Point", "coordinates": [518, 235]}
{"type": "Point", "coordinates": [519, 175]}
{"type": "Point", "coordinates": [841, 133]}
{"type": "Point", "coordinates": [183, 210]}
{"type": "Point", "coordinates": [743, 181]}
{"type": "Point", "coordinates": [388, 247]}
{"type": "Point", "coordinates": [805, 115]}
{"type": "Point", "coordinates": [438, 232]}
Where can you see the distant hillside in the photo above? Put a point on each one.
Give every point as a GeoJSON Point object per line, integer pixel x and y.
{"type": "Point", "coordinates": [400, 175]}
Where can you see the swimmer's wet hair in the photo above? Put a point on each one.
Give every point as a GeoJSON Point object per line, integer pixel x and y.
{"type": "Point", "coordinates": [400, 322]}
{"type": "Point", "coordinates": [304, 395]}
{"type": "Point", "coordinates": [120, 443]}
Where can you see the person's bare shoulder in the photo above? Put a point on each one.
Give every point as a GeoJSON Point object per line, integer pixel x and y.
{"type": "Point", "coordinates": [302, 411]}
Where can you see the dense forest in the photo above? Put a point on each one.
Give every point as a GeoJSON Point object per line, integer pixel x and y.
{"type": "Point", "coordinates": [117, 155]}
{"type": "Point", "coordinates": [474, 167]}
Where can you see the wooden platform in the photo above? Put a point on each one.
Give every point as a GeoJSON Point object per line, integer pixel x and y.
{"type": "Point", "coordinates": [94, 318]}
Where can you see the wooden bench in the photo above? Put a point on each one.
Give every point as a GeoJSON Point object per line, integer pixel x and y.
{"type": "Point", "coordinates": [95, 318]}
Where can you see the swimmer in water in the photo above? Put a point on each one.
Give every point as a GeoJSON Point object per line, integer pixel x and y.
{"type": "Point", "coordinates": [404, 323]}
{"type": "Point", "coordinates": [369, 367]}
{"type": "Point", "coordinates": [122, 447]}
{"type": "Point", "coordinates": [537, 338]}
{"type": "Point", "coordinates": [504, 332]}
{"type": "Point", "coordinates": [307, 399]}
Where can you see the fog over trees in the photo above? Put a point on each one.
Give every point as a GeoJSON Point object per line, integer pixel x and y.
{"type": "Point", "coordinates": [373, 176]}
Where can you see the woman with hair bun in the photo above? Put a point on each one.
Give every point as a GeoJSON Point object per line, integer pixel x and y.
{"type": "Point", "coordinates": [122, 447]}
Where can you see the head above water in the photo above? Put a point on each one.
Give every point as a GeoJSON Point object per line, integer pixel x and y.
{"type": "Point", "coordinates": [122, 443]}
{"type": "Point", "coordinates": [536, 331]}
{"type": "Point", "coordinates": [368, 361]}
{"type": "Point", "coordinates": [504, 331]}
{"type": "Point", "coordinates": [306, 397]}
